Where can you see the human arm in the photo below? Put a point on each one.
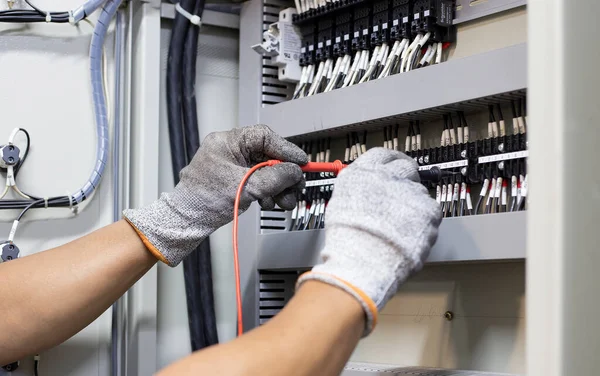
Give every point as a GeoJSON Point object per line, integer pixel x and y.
{"type": "Point", "coordinates": [314, 334]}
{"type": "Point", "coordinates": [49, 296]}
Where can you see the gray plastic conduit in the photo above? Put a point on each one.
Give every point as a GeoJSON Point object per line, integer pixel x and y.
{"type": "Point", "coordinates": [108, 11]}
{"type": "Point", "coordinates": [86, 9]}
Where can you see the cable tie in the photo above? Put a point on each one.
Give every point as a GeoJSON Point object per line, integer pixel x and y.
{"type": "Point", "coordinates": [46, 202]}
{"type": "Point", "coordinates": [196, 20]}
{"type": "Point", "coordinates": [48, 17]}
{"type": "Point", "coordinates": [72, 206]}
{"type": "Point", "coordinates": [72, 18]}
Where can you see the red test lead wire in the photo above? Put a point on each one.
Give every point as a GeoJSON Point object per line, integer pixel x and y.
{"type": "Point", "coordinates": [334, 167]}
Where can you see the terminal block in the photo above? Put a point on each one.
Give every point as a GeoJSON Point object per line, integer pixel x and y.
{"type": "Point", "coordinates": [343, 29]}
{"type": "Point", "coordinates": [435, 17]}
{"type": "Point", "coordinates": [381, 22]}
{"type": "Point", "coordinates": [325, 38]}
{"type": "Point", "coordinates": [362, 27]}
{"type": "Point", "coordinates": [401, 19]}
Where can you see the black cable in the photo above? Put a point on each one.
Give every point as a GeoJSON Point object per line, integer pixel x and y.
{"type": "Point", "coordinates": [174, 68]}
{"type": "Point", "coordinates": [34, 7]}
{"type": "Point", "coordinates": [36, 367]}
{"type": "Point", "coordinates": [500, 116]}
{"type": "Point", "coordinates": [178, 153]}
{"type": "Point", "coordinates": [491, 115]}
{"type": "Point", "coordinates": [41, 200]}
{"type": "Point", "coordinates": [25, 153]}
{"type": "Point", "coordinates": [199, 262]}
{"type": "Point", "coordinates": [32, 15]}
{"type": "Point", "coordinates": [478, 206]}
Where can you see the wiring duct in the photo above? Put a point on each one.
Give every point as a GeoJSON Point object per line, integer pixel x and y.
{"type": "Point", "coordinates": [184, 142]}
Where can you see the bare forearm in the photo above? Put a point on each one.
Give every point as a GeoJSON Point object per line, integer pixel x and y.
{"type": "Point", "coordinates": [50, 296]}
{"type": "Point", "coordinates": [314, 335]}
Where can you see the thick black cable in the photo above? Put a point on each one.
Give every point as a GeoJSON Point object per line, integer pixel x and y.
{"type": "Point", "coordinates": [200, 259]}
{"type": "Point", "coordinates": [178, 150]}
{"type": "Point", "coordinates": [174, 66]}
{"type": "Point", "coordinates": [198, 266]}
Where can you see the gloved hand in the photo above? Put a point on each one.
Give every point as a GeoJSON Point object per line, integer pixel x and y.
{"type": "Point", "coordinates": [381, 224]}
{"type": "Point", "coordinates": [174, 225]}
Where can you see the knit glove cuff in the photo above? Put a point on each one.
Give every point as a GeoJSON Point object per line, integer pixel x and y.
{"type": "Point", "coordinates": [169, 227]}
{"type": "Point", "coordinates": [372, 280]}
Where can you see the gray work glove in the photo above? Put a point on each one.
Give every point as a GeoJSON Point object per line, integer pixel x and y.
{"type": "Point", "coordinates": [174, 225]}
{"type": "Point", "coordinates": [381, 224]}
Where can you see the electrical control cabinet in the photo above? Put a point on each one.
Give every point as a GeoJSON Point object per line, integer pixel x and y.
{"type": "Point", "coordinates": [277, 250]}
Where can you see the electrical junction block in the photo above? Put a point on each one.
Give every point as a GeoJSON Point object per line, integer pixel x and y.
{"type": "Point", "coordinates": [282, 42]}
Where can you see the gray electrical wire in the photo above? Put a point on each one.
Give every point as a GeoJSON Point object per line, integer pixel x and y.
{"type": "Point", "coordinates": [100, 112]}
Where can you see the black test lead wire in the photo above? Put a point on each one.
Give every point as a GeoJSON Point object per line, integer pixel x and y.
{"type": "Point", "coordinates": [385, 138]}
{"type": "Point", "coordinates": [407, 141]}
{"type": "Point", "coordinates": [453, 139]}
{"type": "Point", "coordinates": [501, 121]}
{"type": "Point", "coordinates": [363, 146]}
{"type": "Point", "coordinates": [418, 135]}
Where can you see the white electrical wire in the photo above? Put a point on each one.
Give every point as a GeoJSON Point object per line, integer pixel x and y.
{"type": "Point", "coordinates": [336, 70]}
{"type": "Point", "coordinates": [4, 192]}
{"type": "Point", "coordinates": [432, 55]}
{"type": "Point", "coordinates": [317, 79]}
{"type": "Point", "coordinates": [408, 51]}
{"type": "Point", "coordinates": [359, 67]}
{"type": "Point", "coordinates": [397, 56]}
{"type": "Point", "coordinates": [386, 54]}
{"type": "Point", "coordinates": [353, 69]}
{"type": "Point", "coordinates": [438, 55]}
{"type": "Point", "coordinates": [416, 51]}
{"type": "Point", "coordinates": [427, 54]}
{"type": "Point", "coordinates": [376, 54]}
{"type": "Point", "coordinates": [390, 60]}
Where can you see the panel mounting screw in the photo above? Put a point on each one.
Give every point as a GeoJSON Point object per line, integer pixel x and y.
{"type": "Point", "coordinates": [449, 315]}
{"type": "Point", "coordinates": [421, 160]}
{"type": "Point", "coordinates": [501, 165]}
{"type": "Point", "coordinates": [426, 159]}
{"type": "Point", "coordinates": [463, 171]}
{"type": "Point", "coordinates": [501, 147]}
{"type": "Point", "coordinates": [463, 154]}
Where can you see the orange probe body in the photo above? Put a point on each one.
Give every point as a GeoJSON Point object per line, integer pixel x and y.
{"type": "Point", "coordinates": [335, 166]}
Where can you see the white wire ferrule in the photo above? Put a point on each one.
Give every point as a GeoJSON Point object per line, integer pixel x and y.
{"type": "Point", "coordinates": [10, 176]}
{"type": "Point", "coordinates": [48, 17]}
{"type": "Point", "coordinates": [194, 19]}
{"type": "Point", "coordinates": [13, 231]}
